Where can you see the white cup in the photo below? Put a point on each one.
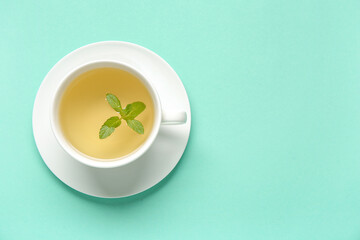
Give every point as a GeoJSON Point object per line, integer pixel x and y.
{"type": "Point", "coordinates": [161, 117]}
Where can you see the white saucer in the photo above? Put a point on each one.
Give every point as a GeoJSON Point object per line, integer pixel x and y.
{"type": "Point", "coordinates": [143, 173]}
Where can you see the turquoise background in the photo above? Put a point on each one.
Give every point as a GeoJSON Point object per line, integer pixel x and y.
{"type": "Point", "coordinates": [274, 149]}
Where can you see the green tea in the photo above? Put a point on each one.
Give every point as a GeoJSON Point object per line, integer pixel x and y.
{"type": "Point", "coordinates": [83, 109]}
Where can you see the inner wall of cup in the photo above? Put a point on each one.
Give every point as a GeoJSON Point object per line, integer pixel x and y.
{"type": "Point", "coordinates": [62, 88]}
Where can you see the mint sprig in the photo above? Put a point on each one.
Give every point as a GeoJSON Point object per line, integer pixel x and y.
{"type": "Point", "coordinates": [128, 114]}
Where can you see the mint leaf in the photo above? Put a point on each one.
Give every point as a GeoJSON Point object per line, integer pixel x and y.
{"type": "Point", "coordinates": [109, 127]}
{"type": "Point", "coordinates": [136, 126]}
{"type": "Point", "coordinates": [105, 131]}
{"type": "Point", "coordinates": [133, 110]}
{"type": "Point", "coordinates": [114, 102]}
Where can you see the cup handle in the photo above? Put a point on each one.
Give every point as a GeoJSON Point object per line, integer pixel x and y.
{"type": "Point", "coordinates": [173, 118]}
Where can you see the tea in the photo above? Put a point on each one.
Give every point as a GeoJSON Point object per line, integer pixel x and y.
{"type": "Point", "coordinates": [83, 109]}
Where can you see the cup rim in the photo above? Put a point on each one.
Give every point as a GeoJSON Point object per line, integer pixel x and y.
{"type": "Point", "coordinates": [82, 157]}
